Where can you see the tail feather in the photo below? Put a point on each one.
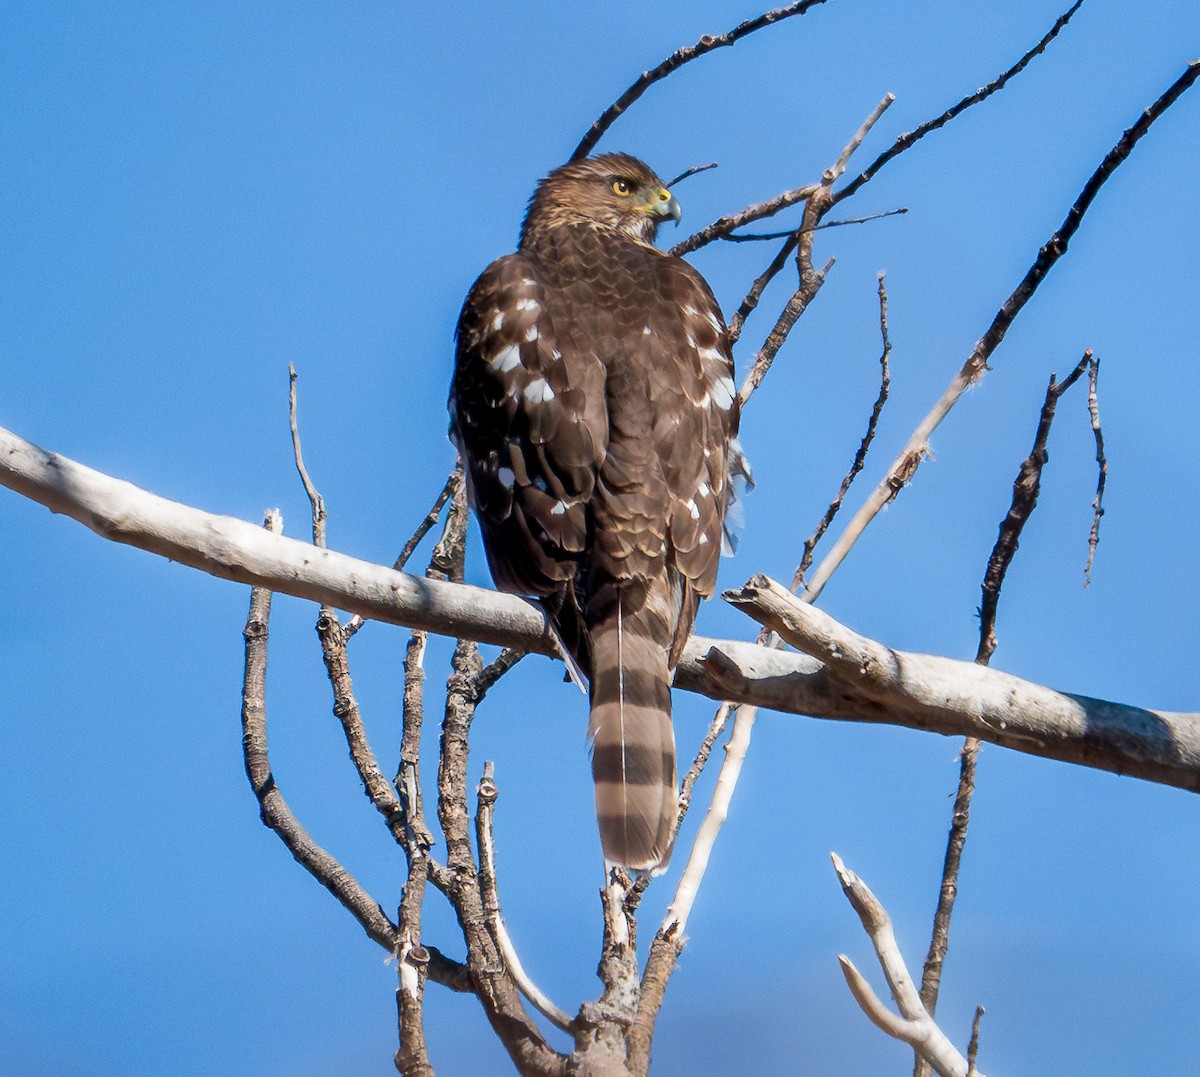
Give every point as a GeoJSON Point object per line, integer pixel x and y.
{"type": "Point", "coordinates": [633, 743]}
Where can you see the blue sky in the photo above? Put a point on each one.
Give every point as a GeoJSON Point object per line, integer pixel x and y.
{"type": "Point", "coordinates": [195, 196]}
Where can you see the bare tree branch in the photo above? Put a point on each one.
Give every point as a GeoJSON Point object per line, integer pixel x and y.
{"type": "Point", "coordinates": [496, 991]}
{"type": "Point", "coordinates": [810, 279]}
{"type": "Point", "coordinates": [939, 941]}
{"type": "Point", "coordinates": [722, 226]}
{"type": "Point", "coordinates": [973, 1046]}
{"type": "Point", "coordinates": [688, 173]}
{"type": "Point", "coordinates": [923, 691]}
{"type": "Point", "coordinates": [1102, 469]}
{"type": "Point", "coordinates": [275, 811]}
{"type": "Point", "coordinates": [423, 528]}
{"type": "Point", "coordinates": [750, 302]}
{"type": "Point", "coordinates": [716, 728]}
{"type": "Point", "coordinates": [1026, 488]}
{"type": "Point", "coordinates": [314, 498]}
{"type": "Point", "coordinates": [676, 60]}
{"type": "Point", "coordinates": [860, 457]}
{"type": "Point", "coordinates": [412, 1054]}
{"type": "Point", "coordinates": [1158, 746]}
{"type": "Point", "coordinates": [485, 839]}
{"type": "Point", "coordinates": [905, 141]}
{"type": "Point", "coordinates": [758, 237]}
{"type": "Point", "coordinates": [906, 463]}
{"type": "Point", "coordinates": [914, 1025]}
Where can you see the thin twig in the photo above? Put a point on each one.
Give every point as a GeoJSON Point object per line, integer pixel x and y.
{"type": "Point", "coordinates": [677, 59]}
{"type": "Point", "coordinates": [810, 278]}
{"type": "Point", "coordinates": [689, 883]}
{"type": "Point", "coordinates": [1102, 469]}
{"type": "Point", "coordinates": [905, 141]}
{"type": "Point", "coordinates": [839, 167]}
{"type": "Point", "coordinates": [905, 465]}
{"type": "Point", "coordinates": [973, 1046]}
{"type": "Point", "coordinates": [860, 457]}
{"type": "Point", "coordinates": [750, 302]}
{"type": "Point", "coordinates": [496, 669]}
{"type": "Point", "coordinates": [811, 281]}
{"type": "Point", "coordinates": [423, 528]}
{"type": "Point", "coordinates": [1025, 492]}
{"type": "Point", "coordinates": [722, 226]}
{"type": "Point", "coordinates": [314, 498]}
{"type": "Point", "coordinates": [715, 729]}
{"type": "Point", "coordinates": [1026, 488]}
{"type": "Point", "coordinates": [758, 237]}
{"type": "Point", "coordinates": [939, 941]}
{"type": "Point", "coordinates": [337, 661]}
{"type": "Point", "coordinates": [345, 708]}
{"type": "Point", "coordinates": [487, 793]}
{"type": "Point", "coordinates": [695, 170]}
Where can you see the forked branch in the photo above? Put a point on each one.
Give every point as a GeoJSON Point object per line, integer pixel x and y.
{"type": "Point", "coordinates": [913, 1024]}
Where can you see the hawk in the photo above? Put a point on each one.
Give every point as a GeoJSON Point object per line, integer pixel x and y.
{"type": "Point", "coordinates": [593, 406]}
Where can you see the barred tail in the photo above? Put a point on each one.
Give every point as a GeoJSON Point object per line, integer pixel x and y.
{"type": "Point", "coordinates": [633, 744]}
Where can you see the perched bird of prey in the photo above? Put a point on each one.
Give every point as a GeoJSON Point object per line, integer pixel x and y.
{"type": "Point", "coordinates": [593, 406]}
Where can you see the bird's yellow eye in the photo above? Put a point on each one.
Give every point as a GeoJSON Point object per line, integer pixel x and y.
{"type": "Point", "coordinates": [621, 186]}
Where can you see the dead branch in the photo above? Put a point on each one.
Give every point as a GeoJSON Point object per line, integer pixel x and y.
{"type": "Point", "coordinates": [973, 1046]}
{"type": "Point", "coordinates": [939, 941]}
{"type": "Point", "coordinates": [922, 691]}
{"type": "Point", "coordinates": [676, 60]}
{"type": "Point", "coordinates": [750, 302]}
{"type": "Point", "coordinates": [758, 237]}
{"type": "Point", "coordinates": [860, 457]}
{"type": "Point", "coordinates": [1102, 469]}
{"type": "Point", "coordinates": [688, 173]}
{"type": "Point", "coordinates": [487, 793]}
{"type": "Point", "coordinates": [495, 989]}
{"type": "Point", "coordinates": [715, 729]}
{"type": "Point", "coordinates": [908, 140]}
{"type": "Point", "coordinates": [1026, 488]}
{"type": "Point", "coordinates": [914, 1025]}
{"type": "Point", "coordinates": [275, 811]}
{"type": "Point", "coordinates": [412, 1054]}
{"type": "Point", "coordinates": [723, 226]}
{"type": "Point", "coordinates": [915, 450]}
{"type": "Point", "coordinates": [423, 528]}
{"type": "Point", "coordinates": [1158, 746]}
{"type": "Point", "coordinates": [810, 279]}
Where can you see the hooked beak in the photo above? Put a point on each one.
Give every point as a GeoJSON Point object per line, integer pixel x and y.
{"type": "Point", "coordinates": [661, 204]}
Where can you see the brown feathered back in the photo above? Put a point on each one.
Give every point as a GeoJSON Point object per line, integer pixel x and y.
{"type": "Point", "coordinates": [593, 405]}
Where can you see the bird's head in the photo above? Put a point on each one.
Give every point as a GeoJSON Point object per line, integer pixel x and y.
{"type": "Point", "coordinates": [613, 190]}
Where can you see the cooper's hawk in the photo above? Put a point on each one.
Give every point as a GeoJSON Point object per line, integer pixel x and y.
{"type": "Point", "coordinates": [593, 405]}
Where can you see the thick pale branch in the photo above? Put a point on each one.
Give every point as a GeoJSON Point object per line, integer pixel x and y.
{"type": "Point", "coordinates": [948, 696]}
{"type": "Point", "coordinates": [236, 550]}
{"type": "Point", "coordinates": [960, 699]}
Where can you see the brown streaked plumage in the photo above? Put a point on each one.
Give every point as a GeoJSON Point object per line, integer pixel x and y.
{"type": "Point", "coordinates": [593, 406]}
